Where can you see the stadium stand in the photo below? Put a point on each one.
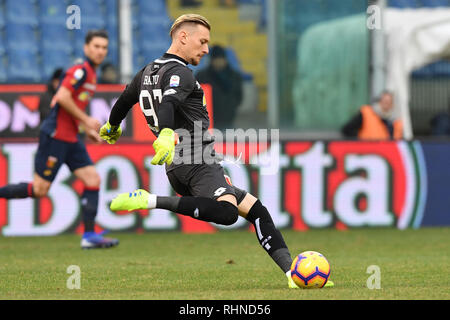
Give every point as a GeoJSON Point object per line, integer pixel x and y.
{"type": "Point", "coordinates": [42, 32]}
{"type": "Point", "coordinates": [153, 8]}
{"type": "Point", "coordinates": [241, 38]}
{"type": "Point", "coordinates": [404, 4]}
{"type": "Point", "coordinates": [93, 12]}
{"type": "Point", "coordinates": [438, 69]}
{"type": "Point", "coordinates": [53, 59]}
{"type": "Point", "coordinates": [2, 45]}
{"type": "Point", "coordinates": [36, 30]}
{"type": "Point", "coordinates": [23, 66]}
{"type": "Point", "coordinates": [151, 25]}
{"type": "Point", "coordinates": [21, 36]}
{"type": "Point", "coordinates": [21, 12]}
{"type": "Point", "coordinates": [3, 71]}
{"type": "Point", "coordinates": [55, 36]}
{"type": "Point", "coordinates": [435, 3]}
{"type": "Point", "coordinates": [112, 26]}
{"type": "Point", "coordinates": [52, 12]}
{"type": "Point", "coordinates": [39, 26]}
{"type": "Point", "coordinates": [2, 16]}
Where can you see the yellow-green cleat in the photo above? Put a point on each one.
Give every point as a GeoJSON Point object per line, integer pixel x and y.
{"type": "Point", "coordinates": [292, 284]}
{"type": "Point", "coordinates": [136, 200]}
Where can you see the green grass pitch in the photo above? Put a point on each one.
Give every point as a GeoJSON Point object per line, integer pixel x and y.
{"type": "Point", "coordinates": [230, 265]}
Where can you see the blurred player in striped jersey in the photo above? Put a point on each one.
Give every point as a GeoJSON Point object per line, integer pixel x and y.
{"type": "Point", "coordinates": [59, 141]}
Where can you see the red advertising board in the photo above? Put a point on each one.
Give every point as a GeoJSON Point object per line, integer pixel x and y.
{"type": "Point", "coordinates": [318, 184]}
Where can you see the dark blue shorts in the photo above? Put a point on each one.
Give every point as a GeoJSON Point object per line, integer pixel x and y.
{"type": "Point", "coordinates": [52, 153]}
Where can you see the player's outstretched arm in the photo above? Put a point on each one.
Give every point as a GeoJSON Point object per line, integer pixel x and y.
{"type": "Point", "coordinates": [111, 130]}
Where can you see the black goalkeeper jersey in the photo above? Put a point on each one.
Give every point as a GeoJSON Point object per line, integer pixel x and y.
{"type": "Point", "coordinates": [168, 80]}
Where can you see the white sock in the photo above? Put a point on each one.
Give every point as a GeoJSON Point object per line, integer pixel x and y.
{"type": "Point", "coordinates": [151, 201]}
{"type": "Point", "coordinates": [288, 274]}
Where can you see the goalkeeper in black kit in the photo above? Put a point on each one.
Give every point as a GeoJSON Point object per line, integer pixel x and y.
{"type": "Point", "coordinates": [174, 106]}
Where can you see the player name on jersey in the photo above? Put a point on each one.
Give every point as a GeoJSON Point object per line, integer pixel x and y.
{"type": "Point", "coordinates": [150, 80]}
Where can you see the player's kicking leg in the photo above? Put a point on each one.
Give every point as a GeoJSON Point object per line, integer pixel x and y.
{"type": "Point", "coordinates": [222, 212]}
{"type": "Point", "coordinates": [201, 208]}
{"type": "Point", "coordinates": [268, 235]}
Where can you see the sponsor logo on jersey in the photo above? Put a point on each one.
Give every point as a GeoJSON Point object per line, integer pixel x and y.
{"type": "Point", "coordinates": [174, 81]}
{"type": "Point", "coordinates": [78, 74]}
{"type": "Point", "coordinates": [90, 86]}
{"type": "Point", "coordinates": [84, 96]}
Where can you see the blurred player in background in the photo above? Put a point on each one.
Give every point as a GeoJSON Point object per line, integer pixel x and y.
{"type": "Point", "coordinates": [60, 143]}
{"type": "Point", "coordinates": [171, 98]}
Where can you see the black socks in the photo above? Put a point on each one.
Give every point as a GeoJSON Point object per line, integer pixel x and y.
{"type": "Point", "coordinates": [17, 191]}
{"type": "Point", "coordinates": [269, 236]}
{"type": "Point", "coordinates": [201, 208]}
{"type": "Point", "coordinates": [89, 204]}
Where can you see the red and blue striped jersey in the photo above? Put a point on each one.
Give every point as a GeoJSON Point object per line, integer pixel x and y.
{"type": "Point", "coordinates": [81, 81]}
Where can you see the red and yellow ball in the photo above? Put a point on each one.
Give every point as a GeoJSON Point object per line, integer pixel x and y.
{"type": "Point", "coordinates": [310, 269]}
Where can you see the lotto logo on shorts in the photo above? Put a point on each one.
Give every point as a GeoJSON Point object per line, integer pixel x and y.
{"type": "Point", "coordinates": [219, 191]}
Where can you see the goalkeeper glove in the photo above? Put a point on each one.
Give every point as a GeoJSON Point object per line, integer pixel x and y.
{"type": "Point", "coordinates": [164, 147]}
{"type": "Point", "coordinates": [110, 133]}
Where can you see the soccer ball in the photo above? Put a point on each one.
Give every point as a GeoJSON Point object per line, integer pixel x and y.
{"type": "Point", "coordinates": [310, 269]}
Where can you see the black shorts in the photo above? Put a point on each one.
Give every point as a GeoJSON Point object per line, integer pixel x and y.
{"type": "Point", "coordinates": [203, 180]}
{"type": "Point", "coordinates": [52, 153]}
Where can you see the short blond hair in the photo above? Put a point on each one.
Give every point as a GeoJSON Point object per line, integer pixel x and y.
{"type": "Point", "coordinates": [189, 18]}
